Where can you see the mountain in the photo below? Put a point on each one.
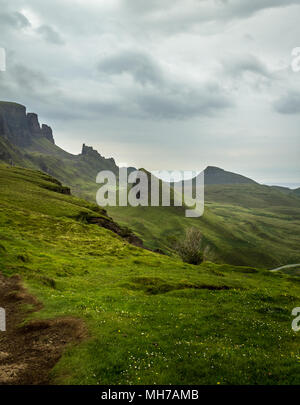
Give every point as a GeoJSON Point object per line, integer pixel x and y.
{"type": "Point", "coordinates": [25, 143]}
{"type": "Point", "coordinates": [215, 175]}
{"type": "Point", "coordinates": [243, 223]}
{"type": "Point", "coordinates": [142, 318]}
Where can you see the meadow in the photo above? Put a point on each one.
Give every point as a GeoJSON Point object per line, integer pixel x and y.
{"type": "Point", "coordinates": [151, 319]}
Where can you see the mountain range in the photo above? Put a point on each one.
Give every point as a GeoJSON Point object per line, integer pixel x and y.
{"type": "Point", "coordinates": [244, 223]}
{"type": "Point", "coordinates": [23, 141]}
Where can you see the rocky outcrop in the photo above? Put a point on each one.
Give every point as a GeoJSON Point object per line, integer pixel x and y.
{"type": "Point", "coordinates": [20, 127]}
{"type": "Point", "coordinates": [124, 232]}
{"type": "Point", "coordinates": [47, 133]}
{"type": "Point", "coordinates": [89, 151]}
{"type": "Point", "coordinates": [14, 124]}
{"type": "Point", "coordinates": [33, 124]}
{"type": "Point", "coordinates": [93, 157]}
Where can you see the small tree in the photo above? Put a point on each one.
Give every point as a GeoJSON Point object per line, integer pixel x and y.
{"type": "Point", "coordinates": [190, 248]}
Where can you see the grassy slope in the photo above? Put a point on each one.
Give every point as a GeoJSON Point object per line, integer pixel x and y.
{"type": "Point", "coordinates": [77, 171]}
{"type": "Point", "coordinates": [243, 224]}
{"type": "Point", "coordinates": [152, 319]}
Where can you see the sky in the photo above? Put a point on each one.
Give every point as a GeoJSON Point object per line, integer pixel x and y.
{"type": "Point", "coordinates": [162, 84]}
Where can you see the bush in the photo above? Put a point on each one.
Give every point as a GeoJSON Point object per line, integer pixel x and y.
{"type": "Point", "coordinates": [190, 248]}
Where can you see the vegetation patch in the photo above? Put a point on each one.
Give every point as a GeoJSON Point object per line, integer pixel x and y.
{"type": "Point", "coordinates": [156, 285]}
{"type": "Point", "coordinates": [151, 318]}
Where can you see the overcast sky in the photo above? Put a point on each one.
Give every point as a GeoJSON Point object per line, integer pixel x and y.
{"type": "Point", "coordinates": [162, 84]}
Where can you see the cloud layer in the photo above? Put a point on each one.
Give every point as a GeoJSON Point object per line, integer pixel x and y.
{"type": "Point", "coordinates": [161, 84]}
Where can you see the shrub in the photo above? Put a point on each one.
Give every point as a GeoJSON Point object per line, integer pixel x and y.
{"type": "Point", "coordinates": [190, 248]}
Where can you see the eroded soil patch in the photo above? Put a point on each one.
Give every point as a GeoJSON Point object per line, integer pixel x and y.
{"type": "Point", "coordinates": [29, 352]}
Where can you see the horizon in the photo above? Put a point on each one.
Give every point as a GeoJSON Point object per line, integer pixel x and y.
{"type": "Point", "coordinates": [187, 176]}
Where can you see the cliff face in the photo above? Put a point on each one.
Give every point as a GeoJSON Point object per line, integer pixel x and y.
{"type": "Point", "coordinates": [19, 127]}
{"type": "Point", "coordinates": [24, 142]}
{"type": "Point", "coordinates": [47, 133]}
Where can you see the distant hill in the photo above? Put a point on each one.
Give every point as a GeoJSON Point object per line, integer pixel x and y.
{"type": "Point", "coordinates": [147, 318]}
{"type": "Point", "coordinates": [243, 223]}
{"type": "Point", "coordinates": [215, 175]}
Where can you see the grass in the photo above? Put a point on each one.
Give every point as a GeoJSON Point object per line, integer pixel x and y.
{"type": "Point", "coordinates": [236, 235]}
{"type": "Point", "coordinates": [151, 318]}
{"type": "Point", "coordinates": [243, 225]}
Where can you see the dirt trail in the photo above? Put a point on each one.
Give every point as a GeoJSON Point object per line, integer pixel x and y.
{"type": "Point", "coordinates": [287, 266]}
{"type": "Point", "coordinates": [28, 353]}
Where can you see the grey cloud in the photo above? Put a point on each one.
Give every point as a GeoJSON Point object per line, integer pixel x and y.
{"type": "Point", "coordinates": [243, 9]}
{"type": "Point", "coordinates": [172, 16]}
{"type": "Point", "coordinates": [20, 84]}
{"type": "Point", "coordinates": [28, 78]}
{"type": "Point", "coordinates": [288, 104]}
{"type": "Point", "coordinates": [50, 35]}
{"type": "Point", "coordinates": [158, 89]}
{"type": "Point", "coordinates": [237, 66]}
{"type": "Point", "coordinates": [14, 20]}
{"type": "Point", "coordinates": [138, 64]}
{"type": "Point", "coordinates": [148, 6]}
{"type": "Point", "coordinates": [180, 105]}
{"type": "Point", "coordinates": [168, 97]}
{"type": "Point", "coordinates": [224, 9]}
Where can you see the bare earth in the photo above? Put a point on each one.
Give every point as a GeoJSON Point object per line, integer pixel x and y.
{"type": "Point", "coordinates": [29, 352]}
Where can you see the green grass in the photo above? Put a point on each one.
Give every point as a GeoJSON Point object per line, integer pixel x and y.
{"type": "Point", "coordinates": [151, 318]}
{"type": "Point", "coordinates": [243, 225]}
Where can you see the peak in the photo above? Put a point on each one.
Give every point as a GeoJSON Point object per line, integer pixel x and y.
{"type": "Point", "coordinates": [216, 175]}
{"type": "Point", "coordinates": [214, 169]}
{"type": "Point", "coordinates": [89, 150]}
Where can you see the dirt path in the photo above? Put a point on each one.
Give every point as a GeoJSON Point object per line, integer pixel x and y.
{"type": "Point", "coordinates": [287, 266]}
{"type": "Point", "coordinates": [28, 353]}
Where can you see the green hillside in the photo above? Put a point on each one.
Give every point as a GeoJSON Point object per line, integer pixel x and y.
{"type": "Point", "coordinates": [150, 318]}
{"type": "Point", "coordinates": [245, 224]}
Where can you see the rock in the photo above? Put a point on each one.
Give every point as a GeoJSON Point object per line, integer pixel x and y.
{"type": "Point", "coordinates": [21, 128]}
{"type": "Point", "coordinates": [89, 151]}
{"type": "Point", "coordinates": [14, 124]}
{"type": "Point", "coordinates": [47, 133]}
{"type": "Point", "coordinates": [33, 124]}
